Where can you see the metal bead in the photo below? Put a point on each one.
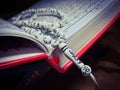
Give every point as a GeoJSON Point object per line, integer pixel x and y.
{"type": "Point", "coordinates": [86, 70]}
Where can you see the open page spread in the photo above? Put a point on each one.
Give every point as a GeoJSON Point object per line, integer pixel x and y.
{"type": "Point", "coordinates": [75, 21]}
{"type": "Point", "coordinates": [77, 13]}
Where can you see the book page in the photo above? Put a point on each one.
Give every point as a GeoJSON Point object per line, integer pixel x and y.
{"type": "Point", "coordinates": [11, 30]}
{"type": "Point", "coordinates": [15, 44]}
{"type": "Point", "coordinates": [12, 48]}
{"type": "Point", "coordinates": [7, 29]}
{"type": "Point", "coordinates": [78, 12]}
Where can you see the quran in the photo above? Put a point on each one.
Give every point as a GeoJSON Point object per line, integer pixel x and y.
{"type": "Point", "coordinates": [34, 33]}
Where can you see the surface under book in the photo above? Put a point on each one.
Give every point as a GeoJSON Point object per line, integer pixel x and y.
{"type": "Point", "coordinates": [32, 34]}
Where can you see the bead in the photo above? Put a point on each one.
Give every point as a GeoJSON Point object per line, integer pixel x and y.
{"type": "Point", "coordinates": [26, 29]}
{"type": "Point", "coordinates": [23, 28]}
{"type": "Point", "coordinates": [19, 23]}
{"type": "Point", "coordinates": [47, 39]}
{"type": "Point", "coordinates": [34, 16]}
{"type": "Point", "coordinates": [86, 70]}
{"type": "Point", "coordinates": [54, 43]}
{"type": "Point", "coordinates": [32, 31]}
{"type": "Point", "coordinates": [61, 45]}
{"type": "Point", "coordinates": [62, 39]}
{"type": "Point", "coordinates": [39, 36]}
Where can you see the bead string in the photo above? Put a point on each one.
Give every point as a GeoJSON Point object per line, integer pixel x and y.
{"type": "Point", "coordinates": [48, 32]}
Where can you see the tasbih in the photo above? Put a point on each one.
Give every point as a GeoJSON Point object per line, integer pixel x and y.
{"type": "Point", "coordinates": [50, 33]}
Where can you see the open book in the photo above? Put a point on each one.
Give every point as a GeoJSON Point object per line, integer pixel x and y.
{"type": "Point", "coordinates": [87, 20]}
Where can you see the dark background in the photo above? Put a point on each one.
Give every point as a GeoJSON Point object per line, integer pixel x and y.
{"type": "Point", "coordinates": [9, 8]}
{"type": "Point", "coordinates": [103, 57]}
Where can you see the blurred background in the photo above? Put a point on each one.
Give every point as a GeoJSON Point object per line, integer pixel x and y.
{"type": "Point", "coordinates": [103, 57]}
